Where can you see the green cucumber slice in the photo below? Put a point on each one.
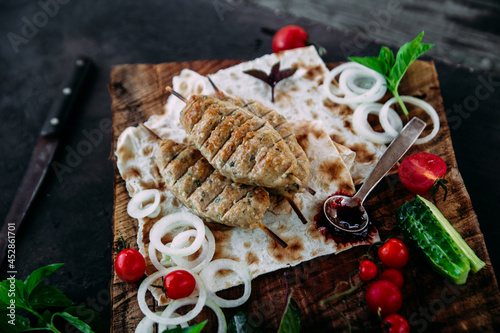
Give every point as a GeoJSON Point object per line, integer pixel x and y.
{"type": "Point", "coordinates": [475, 263]}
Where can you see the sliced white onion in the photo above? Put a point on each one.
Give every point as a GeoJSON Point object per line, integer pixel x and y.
{"type": "Point", "coordinates": [162, 327]}
{"type": "Point", "coordinates": [136, 208]}
{"type": "Point", "coordinates": [208, 250]}
{"type": "Point", "coordinates": [146, 325]}
{"type": "Point", "coordinates": [154, 260]}
{"type": "Point", "coordinates": [170, 311]}
{"type": "Point", "coordinates": [349, 96]}
{"type": "Point", "coordinates": [389, 129]}
{"type": "Point", "coordinates": [141, 297]}
{"type": "Point", "coordinates": [208, 273]}
{"type": "Point", "coordinates": [170, 222]}
{"type": "Point", "coordinates": [362, 126]}
{"type": "Point", "coordinates": [350, 79]}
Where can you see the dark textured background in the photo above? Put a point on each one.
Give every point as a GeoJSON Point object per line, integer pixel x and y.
{"type": "Point", "coordinates": [70, 221]}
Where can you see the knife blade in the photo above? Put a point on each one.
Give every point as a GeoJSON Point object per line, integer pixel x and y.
{"type": "Point", "coordinates": [42, 156]}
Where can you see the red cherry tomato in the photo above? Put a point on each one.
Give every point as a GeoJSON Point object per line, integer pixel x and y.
{"type": "Point", "coordinates": [367, 270]}
{"type": "Point", "coordinates": [420, 172]}
{"type": "Point", "coordinates": [393, 254]}
{"type": "Point", "coordinates": [179, 284]}
{"type": "Point", "coordinates": [393, 275]}
{"type": "Point", "coordinates": [384, 295]}
{"type": "Point", "coordinates": [398, 324]}
{"type": "Point", "coordinates": [289, 37]}
{"type": "Point", "coordinates": [130, 265]}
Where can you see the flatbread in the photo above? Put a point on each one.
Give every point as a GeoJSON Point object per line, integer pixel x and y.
{"type": "Point", "coordinates": [329, 174]}
{"type": "Point", "coordinates": [299, 97]}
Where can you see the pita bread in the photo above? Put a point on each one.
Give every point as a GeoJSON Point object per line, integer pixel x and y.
{"type": "Point", "coordinates": [329, 174]}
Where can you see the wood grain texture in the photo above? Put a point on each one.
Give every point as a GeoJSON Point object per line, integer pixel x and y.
{"type": "Point", "coordinates": [465, 32]}
{"type": "Point", "coordinates": [430, 302]}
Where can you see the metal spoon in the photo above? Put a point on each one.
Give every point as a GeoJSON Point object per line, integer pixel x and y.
{"type": "Point", "coordinates": [354, 205]}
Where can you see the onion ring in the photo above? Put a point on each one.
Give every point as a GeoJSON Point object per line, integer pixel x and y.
{"type": "Point", "coordinates": [154, 260]}
{"type": "Point", "coordinates": [208, 250]}
{"type": "Point", "coordinates": [141, 298]}
{"type": "Point", "coordinates": [348, 84]}
{"type": "Point", "coordinates": [389, 129]}
{"type": "Point", "coordinates": [207, 276]}
{"type": "Point", "coordinates": [135, 206]}
{"type": "Point", "coordinates": [167, 223]}
{"type": "Point", "coordinates": [170, 311]}
{"type": "Point", "coordinates": [367, 96]}
{"type": "Point", "coordinates": [363, 128]}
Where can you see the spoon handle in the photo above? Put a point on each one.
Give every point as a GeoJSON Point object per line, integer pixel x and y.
{"type": "Point", "coordinates": [394, 152]}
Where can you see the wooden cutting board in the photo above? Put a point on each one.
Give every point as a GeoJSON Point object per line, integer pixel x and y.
{"type": "Point", "coordinates": [430, 302]}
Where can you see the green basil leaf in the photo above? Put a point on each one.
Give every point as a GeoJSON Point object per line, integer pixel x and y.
{"type": "Point", "coordinates": [46, 319]}
{"type": "Point", "coordinates": [193, 329]}
{"type": "Point", "coordinates": [44, 296]}
{"type": "Point", "coordinates": [386, 58]}
{"type": "Point", "coordinates": [370, 62]}
{"type": "Point", "coordinates": [38, 275]}
{"type": "Point", "coordinates": [15, 292]}
{"type": "Point", "coordinates": [14, 324]}
{"type": "Point", "coordinates": [89, 316]}
{"type": "Point", "coordinates": [239, 324]}
{"type": "Point", "coordinates": [292, 318]}
{"type": "Point", "coordinates": [79, 324]}
{"type": "Point", "coordinates": [406, 55]}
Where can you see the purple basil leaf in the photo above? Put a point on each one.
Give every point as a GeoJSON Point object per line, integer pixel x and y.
{"type": "Point", "coordinates": [275, 72]}
{"type": "Point", "coordinates": [258, 74]}
{"type": "Point", "coordinates": [285, 74]}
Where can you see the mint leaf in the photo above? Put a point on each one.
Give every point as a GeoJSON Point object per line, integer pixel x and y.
{"type": "Point", "coordinates": [13, 292]}
{"type": "Point", "coordinates": [13, 325]}
{"type": "Point", "coordinates": [89, 316]}
{"type": "Point", "coordinates": [44, 296]}
{"type": "Point", "coordinates": [193, 329]}
{"type": "Point", "coordinates": [292, 318]}
{"type": "Point", "coordinates": [38, 275]}
{"type": "Point", "coordinates": [239, 324]}
{"type": "Point", "coordinates": [79, 324]}
{"type": "Point", "coordinates": [394, 69]}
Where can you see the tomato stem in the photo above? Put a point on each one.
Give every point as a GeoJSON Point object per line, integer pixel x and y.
{"type": "Point", "coordinates": [440, 182]}
{"type": "Point", "coordinates": [340, 295]}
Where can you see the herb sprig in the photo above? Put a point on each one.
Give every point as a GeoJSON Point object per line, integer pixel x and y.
{"type": "Point", "coordinates": [274, 77]}
{"type": "Point", "coordinates": [393, 69]}
{"type": "Point", "coordinates": [43, 302]}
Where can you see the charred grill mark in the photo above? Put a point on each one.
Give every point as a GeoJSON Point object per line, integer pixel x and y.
{"type": "Point", "coordinates": [211, 118]}
{"type": "Point", "coordinates": [224, 154]}
{"type": "Point", "coordinates": [194, 177]}
{"type": "Point", "coordinates": [221, 134]}
{"type": "Point", "coordinates": [179, 166]}
{"type": "Point", "coordinates": [207, 192]}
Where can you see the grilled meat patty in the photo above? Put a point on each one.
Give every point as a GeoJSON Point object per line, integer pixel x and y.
{"type": "Point", "coordinates": [238, 143]}
{"type": "Point", "coordinates": [205, 191]}
{"type": "Point", "coordinates": [280, 124]}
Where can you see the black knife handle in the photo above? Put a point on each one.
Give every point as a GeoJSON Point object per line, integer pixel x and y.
{"type": "Point", "coordinates": [59, 113]}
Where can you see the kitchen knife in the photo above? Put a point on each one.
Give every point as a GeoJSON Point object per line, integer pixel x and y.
{"type": "Point", "coordinates": [41, 158]}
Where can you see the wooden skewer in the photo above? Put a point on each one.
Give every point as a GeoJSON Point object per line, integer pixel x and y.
{"type": "Point", "coordinates": [176, 94]}
{"type": "Point", "coordinates": [213, 84]}
{"type": "Point", "coordinates": [150, 132]}
{"type": "Point", "coordinates": [307, 188]}
{"type": "Point", "coordinates": [296, 209]}
{"type": "Point", "coordinates": [271, 234]}
{"type": "Point", "coordinates": [268, 231]}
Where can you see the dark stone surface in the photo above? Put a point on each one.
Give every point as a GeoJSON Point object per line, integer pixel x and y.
{"type": "Point", "coordinates": [70, 220]}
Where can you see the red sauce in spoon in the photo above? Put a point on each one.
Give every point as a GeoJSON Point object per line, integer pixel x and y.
{"type": "Point", "coordinates": [351, 215]}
